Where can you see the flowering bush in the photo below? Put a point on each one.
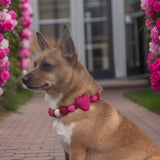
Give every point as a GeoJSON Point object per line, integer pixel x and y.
{"type": "Point", "coordinates": [26, 33]}
{"type": "Point", "coordinates": [152, 10]}
{"type": "Point", "coordinates": [15, 37]}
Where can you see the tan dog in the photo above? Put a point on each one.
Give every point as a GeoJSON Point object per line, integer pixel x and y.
{"type": "Point", "coordinates": [101, 133]}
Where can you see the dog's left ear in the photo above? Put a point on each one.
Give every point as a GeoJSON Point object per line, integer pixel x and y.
{"type": "Point", "coordinates": [67, 47]}
{"type": "Point", "coordinates": [42, 41]}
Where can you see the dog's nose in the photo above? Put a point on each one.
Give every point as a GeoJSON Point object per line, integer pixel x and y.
{"type": "Point", "coordinates": [25, 79]}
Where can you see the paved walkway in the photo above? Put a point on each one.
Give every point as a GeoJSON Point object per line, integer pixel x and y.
{"type": "Point", "coordinates": [29, 136]}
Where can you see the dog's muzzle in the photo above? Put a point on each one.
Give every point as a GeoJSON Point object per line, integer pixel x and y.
{"type": "Point", "coordinates": [25, 80]}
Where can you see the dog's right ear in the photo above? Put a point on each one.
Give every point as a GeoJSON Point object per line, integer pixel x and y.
{"type": "Point", "coordinates": [67, 47]}
{"type": "Point", "coordinates": [42, 41]}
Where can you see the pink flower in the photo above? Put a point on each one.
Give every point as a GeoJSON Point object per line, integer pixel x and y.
{"type": "Point", "coordinates": [4, 75]}
{"type": "Point", "coordinates": [24, 52]}
{"type": "Point", "coordinates": [144, 4]}
{"type": "Point", "coordinates": [6, 66]}
{"type": "Point", "coordinates": [4, 60]}
{"type": "Point", "coordinates": [150, 13]}
{"type": "Point", "coordinates": [158, 23]}
{"type": "Point", "coordinates": [153, 47]}
{"type": "Point", "coordinates": [150, 57]}
{"type": "Point", "coordinates": [1, 37]}
{"type": "Point", "coordinates": [25, 62]}
{"type": "Point", "coordinates": [26, 21]}
{"type": "Point", "coordinates": [7, 17]}
{"type": "Point", "coordinates": [13, 14]}
{"type": "Point", "coordinates": [30, 27]}
{"type": "Point", "coordinates": [150, 68]}
{"type": "Point", "coordinates": [7, 50]}
{"type": "Point", "coordinates": [4, 44]}
{"type": "Point", "coordinates": [154, 35]}
{"type": "Point", "coordinates": [1, 26]}
{"type": "Point", "coordinates": [26, 7]}
{"type": "Point", "coordinates": [26, 1]}
{"type": "Point", "coordinates": [150, 2]}
{"type": "Point", "coordinates": [26, 13]}
{"type": "Point", "coordinates": [5, 3]}
{"type": "Point", "coordinates": [155, 79]}
{"type": "Point", "coordinates": [26, 43]}
{"type": "Point", "coordinates": [2, 53]}
{"type": "Point", "coordinates": [9, 25]}
{"type": "Point", "coordinates": [15, 22]}
{"type": "Point", "coordinates": [159, 50]}
{"type": "Point", "coordinates": [156, 87]}
{"type": "Point", "coordinates": [155, 66]}
{"type": "Point", "coordinates": [1, 91]}
{"type": "Point", "coordinates": [149, 24]}
{"type": "Point", "coordinates": [2, 82]}
{"type": "Point", "coordinates": [2, 16]}
{"type": "Point", "coordinates": [26, 33]}
{"type": "Point", "coordinates": [156, 6]}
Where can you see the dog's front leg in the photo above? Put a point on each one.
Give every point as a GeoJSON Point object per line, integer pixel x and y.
{"type": "Point", "coordinates": [77, 153]}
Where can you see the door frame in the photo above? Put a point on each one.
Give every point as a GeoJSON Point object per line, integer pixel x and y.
{"type": "Point", "coordinates": [77, 28]}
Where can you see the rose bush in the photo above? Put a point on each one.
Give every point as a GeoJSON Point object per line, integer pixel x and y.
{"type": "Point", "coordinates": [152, 10]}
{"type": "Point", "coordinates": [15, 37]}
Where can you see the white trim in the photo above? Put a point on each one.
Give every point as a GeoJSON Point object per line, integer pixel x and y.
{"type": "Point", "coordinates": [89, 41]}
{"type": "Point", "coordinates": [77, 27]}
{"type": "Point", "coordinates": [96, 19]}
{"type": "Point", "coordinates": [54, 21]}
{"type": "Point", "coordinates": [36, 15]}
{"type": "Point", "coordinates": [119, 40]}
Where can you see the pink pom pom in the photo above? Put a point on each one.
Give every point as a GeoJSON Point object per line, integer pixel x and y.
{"type": "Point", "coordinates": [71, 108]}
{"type": "Point", "coordinates": [51, 112]}
{"type": "Point", "coordinates": [94, 98]}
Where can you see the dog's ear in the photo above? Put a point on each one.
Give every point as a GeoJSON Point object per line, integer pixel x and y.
{"type": "Point", "coordinates": [42, 41]}
{"type": "Point", "coordinates": [67, 47]}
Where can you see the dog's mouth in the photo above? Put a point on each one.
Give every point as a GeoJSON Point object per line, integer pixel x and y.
{"type": "Point", "coordinates": [34, 88]}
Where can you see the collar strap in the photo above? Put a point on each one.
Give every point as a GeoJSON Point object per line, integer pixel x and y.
{"type": "Point", "coordinates": [82, 102]}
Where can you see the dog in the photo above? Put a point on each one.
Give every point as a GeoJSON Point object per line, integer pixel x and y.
{"type": "Point", "coordinates": [87, 127]}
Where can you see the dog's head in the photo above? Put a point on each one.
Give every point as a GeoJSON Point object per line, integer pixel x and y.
{"type": "Point", "coordinates": [53, 69]}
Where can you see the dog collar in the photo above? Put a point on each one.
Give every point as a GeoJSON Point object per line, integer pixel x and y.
{"type": "Point", "coordinates": [82, 102]}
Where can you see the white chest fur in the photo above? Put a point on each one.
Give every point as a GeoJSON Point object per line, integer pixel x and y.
{"type": "Point", "coordinates": [53, 101]}
{"type": "Point", "coordinates": [64, 133]}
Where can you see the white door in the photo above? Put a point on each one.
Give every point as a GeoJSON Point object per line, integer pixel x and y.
{"type": "Point", "coordinates": [90, 25]}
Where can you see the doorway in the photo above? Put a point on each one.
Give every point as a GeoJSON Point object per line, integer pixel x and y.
{"type": "Point", "coordinates": [90, 24]}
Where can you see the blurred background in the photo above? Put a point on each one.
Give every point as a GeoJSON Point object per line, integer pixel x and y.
{"type": "Point", "coordinates": [107, 33]}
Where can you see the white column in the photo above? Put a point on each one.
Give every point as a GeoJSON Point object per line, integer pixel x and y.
{"type": "Point", "coordinates": [77, 27]}
{"type": "Point", "coordinates": [119, 40]}
{"type": "Point", "coordinates": [36, 15]}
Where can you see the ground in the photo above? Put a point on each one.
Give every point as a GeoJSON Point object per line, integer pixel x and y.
{"type": "Point", "coordinates": [28, 135]}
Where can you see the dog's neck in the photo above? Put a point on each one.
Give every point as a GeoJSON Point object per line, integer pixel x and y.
{"type": "Point", "coordinates": [81, 83]}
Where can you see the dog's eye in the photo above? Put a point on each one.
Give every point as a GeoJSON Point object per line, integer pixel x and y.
{"type": "Point", "coordinates": [46, 65]}
{"type": "Point", "coordinates": [34, 65]}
